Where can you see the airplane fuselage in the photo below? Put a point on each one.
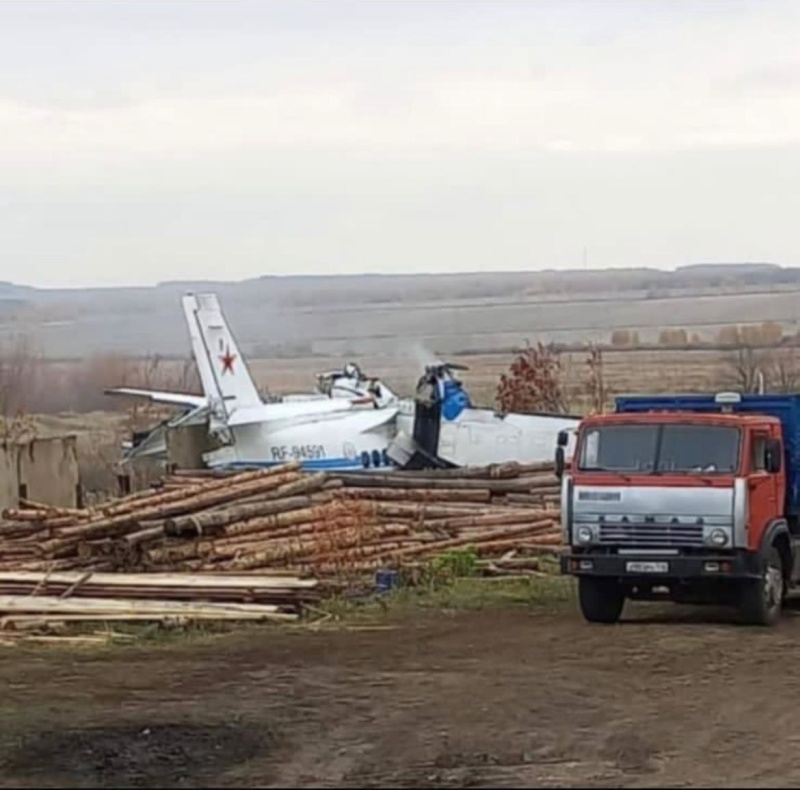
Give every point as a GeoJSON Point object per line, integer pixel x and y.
{"type": "Point", "coordinates": [350, 440]}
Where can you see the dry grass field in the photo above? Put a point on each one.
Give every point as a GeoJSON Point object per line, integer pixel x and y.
{"type": "Point", "coordinates": [625, 371]}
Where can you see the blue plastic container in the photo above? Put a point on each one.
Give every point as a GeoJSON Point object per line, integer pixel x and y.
{"type": "Point", "coordinates": [385, 580]}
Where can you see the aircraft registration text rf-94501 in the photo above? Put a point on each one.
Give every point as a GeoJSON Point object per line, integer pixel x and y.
{"type": "Point", "coordinates": [302, 452]}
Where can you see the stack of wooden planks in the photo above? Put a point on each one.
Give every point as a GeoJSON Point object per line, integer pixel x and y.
{"type": "Point", "coordinates": [319, 524]}
{"type": "Point", "coordinates": [27, 596]}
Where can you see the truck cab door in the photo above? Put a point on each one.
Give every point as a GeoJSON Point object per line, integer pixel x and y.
{"type": "Point", "coordinates": [763, 487]}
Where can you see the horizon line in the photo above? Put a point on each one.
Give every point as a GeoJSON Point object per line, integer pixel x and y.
{"type": "Point", "coordinates": [405, 275]}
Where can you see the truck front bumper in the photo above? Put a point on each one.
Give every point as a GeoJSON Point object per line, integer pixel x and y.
{"type": "Point", "coordinates": [660, 569]}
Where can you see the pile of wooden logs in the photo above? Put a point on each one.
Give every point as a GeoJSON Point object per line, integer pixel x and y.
{"type": "Point", "coordinates": [320, 524]}
{"type": "Point", "coordinates": [495, 510]}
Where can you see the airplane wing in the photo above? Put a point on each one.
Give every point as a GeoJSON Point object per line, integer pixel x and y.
{"type": "Point", "coordinates": [155, 396]}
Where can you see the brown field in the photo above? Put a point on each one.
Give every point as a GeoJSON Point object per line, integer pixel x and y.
{"type": "Point", "coordinates": [514, 692]}
{"type": "Point", "coordinates": [654, 370]}
{"type": "Point", "coordinates": [77, 386]}
{"type": "Point", "coordinates": [362, 315]}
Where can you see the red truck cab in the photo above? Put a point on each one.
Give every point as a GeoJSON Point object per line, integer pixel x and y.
{"type": "Point", "coordinates": [686, 499]}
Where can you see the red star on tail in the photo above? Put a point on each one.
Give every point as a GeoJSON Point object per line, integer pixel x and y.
{"type": "Point", "coordinates": [227, 361]}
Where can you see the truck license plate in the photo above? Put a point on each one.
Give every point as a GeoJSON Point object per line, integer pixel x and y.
{"type": "Point", "coordinates": [646, 567]}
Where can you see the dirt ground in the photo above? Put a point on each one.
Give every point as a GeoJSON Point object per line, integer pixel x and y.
{"type": "Point", "coordinates": [497, 697]}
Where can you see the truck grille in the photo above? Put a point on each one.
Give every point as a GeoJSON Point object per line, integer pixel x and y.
{"type": "Point", "coordinates": [631, 534]}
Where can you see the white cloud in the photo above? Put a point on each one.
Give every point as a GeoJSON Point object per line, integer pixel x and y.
{"type": "Point", "coordinates": [487, 115]}
{"type": "Point", "coordinates": [366, 135]}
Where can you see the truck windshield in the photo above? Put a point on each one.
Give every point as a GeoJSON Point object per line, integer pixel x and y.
{"type": "Point", "coordinates": [653, 449]}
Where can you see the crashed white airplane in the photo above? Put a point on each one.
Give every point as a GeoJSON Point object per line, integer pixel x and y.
{"type": "Point", "coordinates": [351, 422]}
{"type": "Point", "coordinates": [321, 433]}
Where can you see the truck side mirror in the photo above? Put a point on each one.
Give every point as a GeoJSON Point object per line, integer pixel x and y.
{"type": "Point", "coordinates": [773, 455]}
{"type": "Point", "coordinates": [560, 462]}
{"type": "Point", "coordinates": [561, 442]}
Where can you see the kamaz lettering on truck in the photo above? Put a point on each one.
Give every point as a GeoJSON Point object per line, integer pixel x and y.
{"type": "Point", "coordinates": [693, 499]}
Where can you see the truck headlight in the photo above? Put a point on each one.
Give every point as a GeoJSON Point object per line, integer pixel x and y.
{"type": "Point", "coordinates": [584, 534]}
{"type": "Point", "coordinates": [718, 537]}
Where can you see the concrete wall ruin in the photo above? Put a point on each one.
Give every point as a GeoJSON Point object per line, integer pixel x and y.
{"type": "Point", "coordinates": [9, 481]}
{"type": "Point", "coordinates": [186, 445]}
{"type": "Point", "coordinates": [41, 470]}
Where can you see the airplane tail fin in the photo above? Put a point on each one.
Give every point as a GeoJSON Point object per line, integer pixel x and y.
{"type": "Point", "coordinates": [201, 356]}
{"type": "Point", "coordinates": [223, 371]}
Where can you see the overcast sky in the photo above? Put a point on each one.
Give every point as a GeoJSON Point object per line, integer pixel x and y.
{"type": "Point", "coordinates": [150, 140]}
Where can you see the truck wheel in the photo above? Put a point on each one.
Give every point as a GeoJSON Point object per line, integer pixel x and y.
{"type": "Point", "coordinates": [601, 600]}
{"type": "Point", "coordinates": [760, 601]}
